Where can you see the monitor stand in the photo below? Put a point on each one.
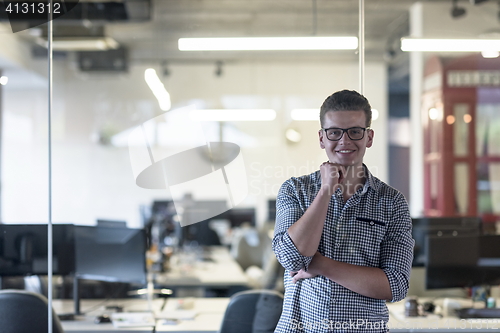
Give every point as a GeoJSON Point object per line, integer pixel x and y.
{"type": "Point", "coordinates": [76, 303]}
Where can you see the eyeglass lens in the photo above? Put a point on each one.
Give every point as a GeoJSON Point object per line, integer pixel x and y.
{"type": "Point", "coordinates": [354, 133]}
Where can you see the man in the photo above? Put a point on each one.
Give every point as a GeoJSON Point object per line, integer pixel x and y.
{"type": "Point", "coordinates": [342, 235]}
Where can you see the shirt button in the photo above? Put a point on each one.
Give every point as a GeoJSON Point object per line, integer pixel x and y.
{"type": "Point", "coordinates": [337, 245]}
{"type": "Point", "coordinates": [372, 223]}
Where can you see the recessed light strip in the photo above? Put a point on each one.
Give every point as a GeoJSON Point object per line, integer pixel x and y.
{"type": "Point", "coordinates": [233, 115]}
{"type": "Point", "coordinates": [267, 43]}
{"type": "Point", "coordinates": [158, 89]}
{"type": "Point", "coordinates": [305, 114]}
{"type": "Point", "coordinates": [449, 45]}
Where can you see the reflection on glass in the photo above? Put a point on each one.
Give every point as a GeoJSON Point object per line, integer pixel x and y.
{"type": "Point", "coordinates": [488, 188]}
{"type": "Point", "coordinates": [434, 185]}
{"type": "Point", "coordinates": [488, 129]}
{"type": "Point", "coordinates": [460, 129]}
{"type": "Point", "coordinates": [434, 136]}
{"type": "Point", "coordinates": [461, 188]}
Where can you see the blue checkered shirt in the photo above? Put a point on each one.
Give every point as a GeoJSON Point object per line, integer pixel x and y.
{"type": "Point", "coordinates": [373, 228]}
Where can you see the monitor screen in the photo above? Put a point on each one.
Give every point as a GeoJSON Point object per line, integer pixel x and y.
{"type": "Point", "coordinates": [440, 226]}
{"type": "Point", "coordinates": [112, 254]}
{"type": "Point", "coordinates": [271, 209]}
{"type": "Point", "coordinates": [23, 249]}
{"type": "Point", "coordinates": [239, 216]}
{"type": "Point", "coordinates": [462, 261]}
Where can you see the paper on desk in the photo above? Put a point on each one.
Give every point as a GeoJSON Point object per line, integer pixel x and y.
{"type": "Point", "coordinates": [177, 314]}
{"type": "Point", "coordinates": [132, 319]}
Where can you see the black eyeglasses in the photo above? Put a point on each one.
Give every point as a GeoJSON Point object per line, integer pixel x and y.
{"type": "Point", "coordinates": [354, 133]}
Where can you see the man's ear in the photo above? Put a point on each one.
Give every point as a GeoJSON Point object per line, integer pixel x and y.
{"type": "Point", "coordinates": [370, 134]}
{"type": "Point", "coordinates": [321, 138]}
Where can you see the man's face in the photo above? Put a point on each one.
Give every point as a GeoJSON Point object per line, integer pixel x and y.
{"type": "Point", "coordinates": [345, 151]}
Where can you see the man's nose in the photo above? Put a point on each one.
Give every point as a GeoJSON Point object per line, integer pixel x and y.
{"type": "Point", "coordinates": [345, 138]}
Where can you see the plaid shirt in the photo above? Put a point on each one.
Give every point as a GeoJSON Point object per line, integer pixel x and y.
{"type": "Point", "coordinates": [373, 228]}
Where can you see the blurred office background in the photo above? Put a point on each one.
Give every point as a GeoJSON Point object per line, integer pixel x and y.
{"type": "Point", "coordinates": [101, 97]}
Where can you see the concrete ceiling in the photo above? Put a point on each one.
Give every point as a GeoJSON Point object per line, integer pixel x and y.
{"type": "Point", "coordinates": [386, 20]}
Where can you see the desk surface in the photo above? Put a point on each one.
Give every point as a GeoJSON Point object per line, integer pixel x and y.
{"type": "Point", "coordinates": [399, 323]}
{"type": "Point", "coordinates": [221, 270]}
{"type": "Point", "coordinates": [210, 312]}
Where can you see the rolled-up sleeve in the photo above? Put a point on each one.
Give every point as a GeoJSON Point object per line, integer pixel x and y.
{"type": "Point", "coordinates": [288, 211]}
{"type": "Point", "coordinates": [397, 249]}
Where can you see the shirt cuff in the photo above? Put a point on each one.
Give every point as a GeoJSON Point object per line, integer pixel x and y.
{"type": "Point", "coordinates": [398, 284]}
{"type": "Point", "coordinates": [294, 261]}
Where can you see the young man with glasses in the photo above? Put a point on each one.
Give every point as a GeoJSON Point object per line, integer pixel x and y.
{"type": "Point", "coordinates": [343, 235]}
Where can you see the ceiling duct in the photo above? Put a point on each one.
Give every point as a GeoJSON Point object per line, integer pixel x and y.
{"type": "Point", "coordinates": [111, 61]}
{"type": "Point", "coordinates": [97, 12]}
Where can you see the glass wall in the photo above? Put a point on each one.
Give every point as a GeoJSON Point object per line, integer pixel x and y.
{"type": "Point", "coordinates": [117, 148]}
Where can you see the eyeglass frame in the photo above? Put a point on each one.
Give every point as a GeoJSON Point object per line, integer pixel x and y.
{"type": "Point", "coordinates": [344, 130]}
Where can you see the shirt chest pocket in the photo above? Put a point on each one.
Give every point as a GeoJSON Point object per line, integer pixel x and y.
{"type": "Point", "coordinates": [367, 229]}
{"type": "Point", "coordinates": [361, 238]}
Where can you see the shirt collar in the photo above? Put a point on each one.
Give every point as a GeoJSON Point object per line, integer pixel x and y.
{"type": "Point", "coordinates": [370, 181]}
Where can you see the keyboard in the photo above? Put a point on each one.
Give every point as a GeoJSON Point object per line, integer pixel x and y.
{"type": "Point", "coordinates": [466, 313]}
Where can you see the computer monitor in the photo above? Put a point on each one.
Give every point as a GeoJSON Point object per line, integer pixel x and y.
{"type": "Point", "coordinates": [462, 261]}
{"type": "Point", "coordinates": [239, 216]}
{"type": "Point", "coordinates": [113, 254]}
{"type": "Point", "coordinates": [440, 226]}
{"type": "Point", "coordinates": [271, 209]}
{"type": "Point", "coordinates": [24, 247]}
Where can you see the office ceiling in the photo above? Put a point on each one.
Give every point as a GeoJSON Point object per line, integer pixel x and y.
{"type": "Point", "coordinates": [156, 39]}
{"type": "Point", "coordinates": [150, 29]}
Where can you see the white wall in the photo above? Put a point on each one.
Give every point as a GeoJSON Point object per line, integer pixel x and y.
{"type": "Point", "coordinates": [94, 181]}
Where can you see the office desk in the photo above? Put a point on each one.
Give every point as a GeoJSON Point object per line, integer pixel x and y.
{"type": "Point", "coordinates": [210, 312]}
{"type": "Point", "coordinates": [398, 323]}
{"type": "Point", "coordinates": [191, 273]}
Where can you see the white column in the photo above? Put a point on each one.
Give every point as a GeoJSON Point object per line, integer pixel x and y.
{"type": "Point", "coordinates": [416, 146]}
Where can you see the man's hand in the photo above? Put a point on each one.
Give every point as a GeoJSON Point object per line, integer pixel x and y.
{"type": "Point", "coordinates": [332, 176]}
{"type": "Point", "coordinates": [296, 276]}
{"type": "Point", "coordinates": [313, 271]}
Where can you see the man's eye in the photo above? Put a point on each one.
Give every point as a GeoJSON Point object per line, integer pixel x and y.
{"type": "Point", "coordinates": [335, 132]}
{"type": "Point", "coordinates": [356, 131]}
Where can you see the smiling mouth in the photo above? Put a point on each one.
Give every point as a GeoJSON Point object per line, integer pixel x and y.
{"type": "Point", "coordinates": [345, 151]}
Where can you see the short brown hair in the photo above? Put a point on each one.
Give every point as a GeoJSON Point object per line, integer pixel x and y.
{"type": "Point", "coordinates": [346, 100]}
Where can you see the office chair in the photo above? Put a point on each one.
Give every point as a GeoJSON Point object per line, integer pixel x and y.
{"type": "Point", "coordinates": [252, 311]}
{"type": "Point", "coordinates": [23, 311]}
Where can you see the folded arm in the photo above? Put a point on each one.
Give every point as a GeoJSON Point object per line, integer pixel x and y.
{"type": "Point", "coordinates": [366, 281]}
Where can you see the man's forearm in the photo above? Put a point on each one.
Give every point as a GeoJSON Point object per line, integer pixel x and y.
{"type": "Point", "coordinates": [306, 232]}
{"type": "Point", "coordinates": [367, 281]}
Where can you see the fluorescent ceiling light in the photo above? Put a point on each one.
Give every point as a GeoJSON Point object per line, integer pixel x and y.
{"type": "Point", "coordinates": [490, 54]}
{"type": "Point", "coordinates": [158, 89]}
{"type": "Point", "coordinates": [449, 45]}
{"type": "Point", "coordinates": [293, 135]}
{"type": "Point", "coordinates": [305, 114]}
{"type": "Point", "coordinates": [3, 80]}
{"type": "Point", "coordinates": [268, 43]}
{"type": "Point", "coordinates": [233, 115]}
{"type": "Point", "coordinates": [81, 43]}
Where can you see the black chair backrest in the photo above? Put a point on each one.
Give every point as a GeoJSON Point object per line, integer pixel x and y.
{"type": "Point", "coordinates": [253, 311]}
{"type": "Point", "coordinates": [25, 312]}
